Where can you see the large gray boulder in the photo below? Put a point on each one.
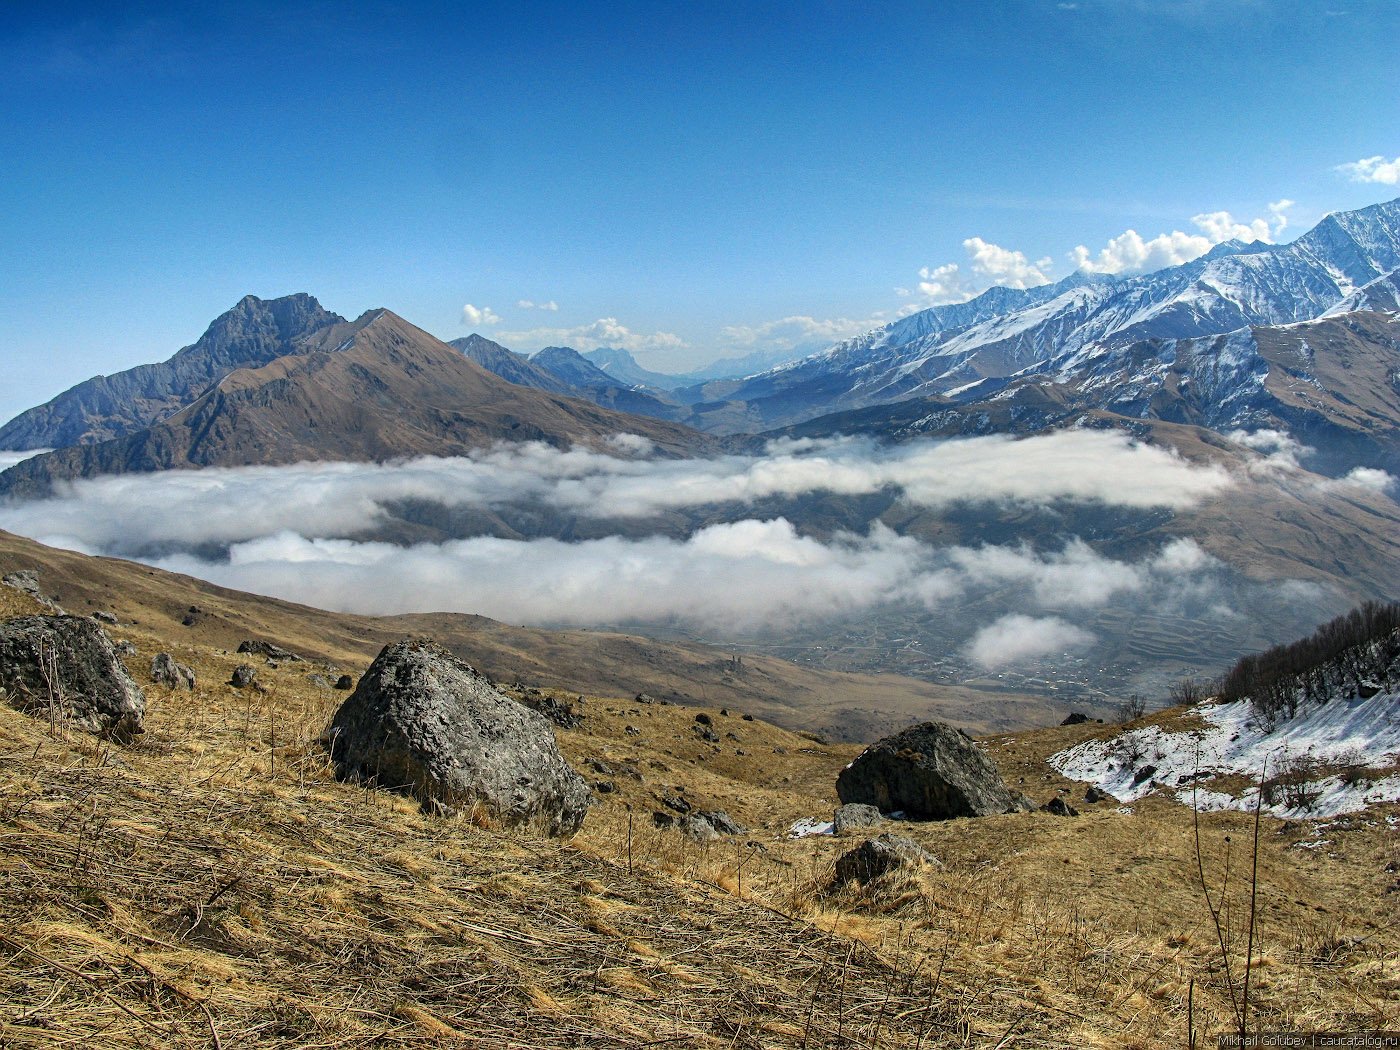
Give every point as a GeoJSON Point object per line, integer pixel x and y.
{"type": "Point", "coordinates": [930, 771]}
{"type": "Point", "coordinates": [424, 722]}
{"type": "Point", "coordinates": [65, 668]}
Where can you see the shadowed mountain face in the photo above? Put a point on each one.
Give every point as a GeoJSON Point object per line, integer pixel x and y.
{"type": "Point", "coordinates": [510, 366]}
{"type": "Point", "coordinates": [253, 333]}
{"type": "Point", "coordinates": [374, 390]}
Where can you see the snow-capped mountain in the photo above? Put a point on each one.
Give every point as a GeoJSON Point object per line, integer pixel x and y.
{"type": "Point", "coordinates": [970, 350]}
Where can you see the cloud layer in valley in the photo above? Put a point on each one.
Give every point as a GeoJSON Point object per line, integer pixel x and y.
{"type": "Point", "coordinates": [132, 514]}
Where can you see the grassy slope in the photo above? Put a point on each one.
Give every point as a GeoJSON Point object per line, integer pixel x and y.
{"type": "Point", "coordinates": [213, 885]}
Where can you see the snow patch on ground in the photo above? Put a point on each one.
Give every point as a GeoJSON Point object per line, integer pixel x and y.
{"type": "Point", "coordinates": [1342, 731]}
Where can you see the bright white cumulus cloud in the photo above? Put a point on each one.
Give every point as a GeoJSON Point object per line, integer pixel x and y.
{"type": "Point", "coordinates": [1130, 252]}
{"type": "Point", "coordinates": [606, 331]}
{"type": "Point", "coordinates": [987, 265]}
{"type": "Point", "coordinates": [1372, 169]}
{"type": "Point", "coordinates": [475, 316]}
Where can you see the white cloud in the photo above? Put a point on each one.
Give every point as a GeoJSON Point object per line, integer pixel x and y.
{"type": "Point", "coordinates": [990, 265]}
{"type": "Point", "coordinates": [791, 332]}
{"type": "Point", "coordinates": [1372, 169]}
{"type": "Point", "coordinates": [228, 505]}
{"type": "Point", "coordinates": [474, 316]}
{"type": "Point", "coordinates": [1017, 639]}
{"type": "Point", "coordinates": [1129, 252]}
{"type": "Point", "coordinates": [945, 284]}
{"type": "Point", "coordinates": [1373, 479]}
{"type": "Point", "coordinates": [527, 304]}
{"type": "Point", "coordinates": [1002, 266]}
{"type": "Point", "coordinates": [606, 331]}
{"type": "Point", "coordinates": [9, 459]}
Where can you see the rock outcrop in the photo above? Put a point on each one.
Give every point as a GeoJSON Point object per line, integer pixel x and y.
{"type": "Point", "coordinates": [855, 815]}
{"type": "Point", "coordinates": [930, 771]}
{"type": "Point", "coordinates": [65, 668]}
{"type": "Point", "coordinates": [424, 722]}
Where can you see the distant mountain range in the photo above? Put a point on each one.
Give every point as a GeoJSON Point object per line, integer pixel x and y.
{"type": "Point", "coordinates": [374, 389]}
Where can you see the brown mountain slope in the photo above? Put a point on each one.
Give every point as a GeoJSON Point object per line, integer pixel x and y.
{"type": "Point", "coordinates": [374, 390]}
{"type": "Point", "coordinates": [852, 706]}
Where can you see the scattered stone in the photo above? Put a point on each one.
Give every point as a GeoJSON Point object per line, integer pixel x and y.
{"type": "Point", "coordinates": [1075, 718]}
{"type": "Point", "coordinates": [560, 712]}
{"type": "Point", "coordinates": [876, 857]}
{"type": "Point", "coordinates": [780, 750]}
{"type": "Point", "coordinates": [705, 733]}
{"type": "Point", "coordinates": [855, 815]}
{"type": "Point", "coordinates": [267, 649]}
{"type": "Point", "coordinates": [1094, 793]}
{"type": "Point", "coordinates": [243, 676]}
{"type": "Point", "coordinates": [604, 787]}
{"type": "Point", "coordinates": [704, 719]}
{"type": "Point", "coordinates": [632, 731]}
{"type": "Point", "coordinates": [1059, 807]}
{"type": "Point", "coordinates": [425, 722]}
{"type": "Point", "coordinates": [671, 800]}
{"type": "Point", "coordinates": [26, 580]}
{"type": "Point", "coordinates": [645, 698]}
{"type": "Point", "coordinates": [165, 671]}
{"type": "Point", "coordinates": [724, 711]}
{"type": "Point", "coordinates": [345, 681]}
{"type": "Point", "coordinates": [65, 668]}
{"type": "Point", "coordinates": [599, 766]}
{"type": "Point", "coordinates": [732, 736]}
{"type": "Point", "coordinates": [748, 718]}
{"type": "Point", "coordinates": [930, 771]}
{"type": "Point", "coordinates": [102, 616]}
{"type": "Point", "coordinates": [1143, 775]}
{"type": "Point", "coordinates": [695, 826]}
{"type": "Point", "coordinates": [723, 823]}
{"type": "Point", "coordinates": [320, 681]}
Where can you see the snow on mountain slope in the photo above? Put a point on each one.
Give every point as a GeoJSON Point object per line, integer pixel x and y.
{"type": "Point", "coordinates": [1006, 332]}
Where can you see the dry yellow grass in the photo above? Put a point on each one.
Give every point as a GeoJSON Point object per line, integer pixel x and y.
{"type": "Point", "coordinates": [214, 885]}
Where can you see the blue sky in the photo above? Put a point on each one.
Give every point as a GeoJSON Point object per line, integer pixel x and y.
{"type": "Point", "coordinates": [693, 174]}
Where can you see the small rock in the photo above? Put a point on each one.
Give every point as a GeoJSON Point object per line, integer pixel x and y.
{"type": "Point", "coordinates": [704, 719]}
{"type": "Point", "coordinates": [102, 616]}
{"type": "Point", "coordinates": [345, 681]}
{"type": "Point", "coordinates": [165, 671]}
{"type": "Point", "coordinates": [1075, 718]}
{"type": "Point", "coordinates": [632, 731]}
{"type": "Point", "coordinates": [320, 681]}
{"type": "Point", "coordinates": [724, 711]}
{"type": "Point", "coordinates": [723, 823]}
{"type": "Point", "coordinates": [424, 722]}
{"type": "Point", "coordinates": [748, 718]}
{"type": "Point", "coordinates": [560, 712]}
{"type": "Point", "coordinates": [1143, 775]}
{"type": "Point", "coordinates": [673, 801]}
{"type": "Point", "coordinates": [599, 766]}
{"type": "Point", "coordinates": [1059, 807]}
{"type": "Point", "coordinates": [876, 857]}
{"type": "Point", "coordinates": [125, 648]}
{"type": "Point", "coordinates": [1094, 793]}
{"type": "Point", "coordinates": [662, 819]}
{"type": "Point", "coordinates": [931, 771]}
{"type": "Point", "coordinates": [267, 649]}
{"type": "Point", "coordinates": [855, 815]}
{"type": "Point", "coordinates": [695, 826]}
{"type": "Point", "coordinates": [705, 733]}
{"type": "Point", "coordinates": [604, 787]}
{"type": "Point", "coordinates": [645, 698]}
{"type": "Point", "coordinates": [65, 668]}
{"type": "Point", "coordinates": [243, 676]}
